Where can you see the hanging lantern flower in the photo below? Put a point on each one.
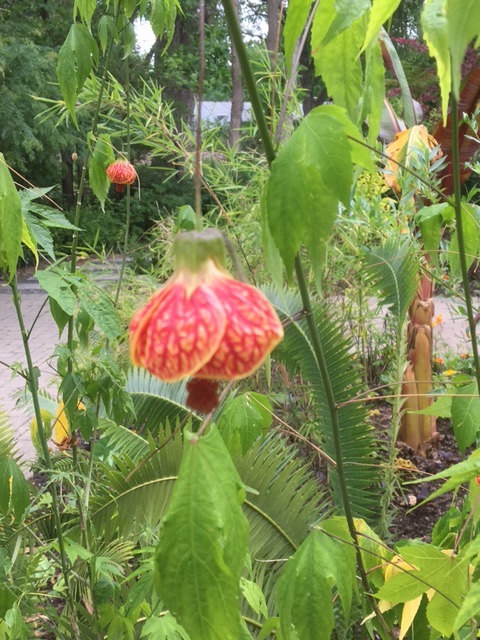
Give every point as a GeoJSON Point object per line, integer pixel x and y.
{"type": "Point", "coordinates": [202, 322]}
{"type": "Point", "coordinates": [121, 172]}
{"type": "Point", "coordinates": [62, 432]}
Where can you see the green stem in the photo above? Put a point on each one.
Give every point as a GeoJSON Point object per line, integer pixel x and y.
{"type": "Point", "coordinates": [460, 234]}
{"type": "Point", "coordinates": [127, 221]}
{"type": "Point", "coordinates": [33, 386]}
{"type": "Point", "coordinates": [78, 206]}
{"type": "Point", "coordinates": [249, 79]}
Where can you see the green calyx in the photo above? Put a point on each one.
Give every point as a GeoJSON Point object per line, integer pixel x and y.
{"type": "Point", "coordinates": [194, 248]}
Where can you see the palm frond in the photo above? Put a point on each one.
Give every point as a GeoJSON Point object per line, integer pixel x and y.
{"type": "Point", "coordinates": [356, 436]}
{"type": "Point", "coordinates": [393, 269]}
{"type": "Point", "coordinates": [155, 402]}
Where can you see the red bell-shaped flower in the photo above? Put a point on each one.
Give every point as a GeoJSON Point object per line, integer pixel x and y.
{"type": "Point", "coordinates": [203, 322]}
{"type": "Point", "coordinates": [121, 172]}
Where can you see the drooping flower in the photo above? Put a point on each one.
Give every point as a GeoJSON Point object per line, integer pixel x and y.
{"type": "Point", "coordinates": [121, 172]}
{"type": "Point", "coordinates": [202, 322]}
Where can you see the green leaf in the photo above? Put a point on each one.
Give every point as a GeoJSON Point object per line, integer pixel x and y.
{"type": "Point", "coordinates": [102, 157]}
{"type": "Point", "coordinates": [436, 34]}
{"type": "Point", "coordinates": [347, 12]}
{"type": "Point", "coordinates": [470, 607]}
{"type": "Point", "coordinates": [466, 415]}
{"type": "Point", "coordinates": [339, 65]}
{"type": "Point", "coordinates": [304, 595]}
{"type": "Point", "coordinates": [471, 238]}
{"type": "Point", "coordinates": [430, 221]}
{"type": "Point", "coordinates": [409, 114]}
{"type": "Point", "coordinates": [76, 58]}
{"type": "Point", "coordinates": [243, 420]}
{"type": "Point", "coordinates": [58, 288]}
{"type": "Point", "coordinates": [101, 308]}
{"type": "Point", "coordinates": [441, 407]}
{"type": "Point", "coordinates": [186, 218]}
{"type": "Point", "coordinates": [382, 10]}
{"type": "Point", "coordinates": [373, 91]}
{"type": "Point", "coordinates": [463, 26]}
{"type": "Point", "coordinates": [86, 9]}
{"type": "Point", "coordinates": [297, 15]}
{"type": "Point", "coordinates": [40, 234]}
{"type": "Point", "coordinates": [11, 221]}
{"type": "Point", "coordinates": [254, 596]}
{"type": "Point", "coordinates": [164, 628]}
{"type": "Point", "coordinates": [106, 29]}
{"type": "Point", "coordinates": [203, 541]}
{"type": "Point", "coordinates": [14, 495]}
{"type": "Point", "coordinates": [310, 175]}
{"type": "Point", "coordinates": [128, 38]}
{"type": "Point", "coordinates": [162, 18]}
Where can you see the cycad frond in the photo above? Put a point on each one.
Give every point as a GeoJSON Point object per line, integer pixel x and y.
{"type": "Point", "coordinates": [356, 436]}
{"type": "Point", "coordinates": [393, 269]}
{"type": "Point", "coordinates": [156, 402]}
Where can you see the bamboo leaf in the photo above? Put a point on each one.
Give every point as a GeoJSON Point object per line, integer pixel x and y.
{"type": "Point", "coordinates": [203, 540]}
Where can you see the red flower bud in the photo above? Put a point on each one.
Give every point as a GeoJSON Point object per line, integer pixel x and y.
{"type": "Point", "coordinates": [121, 172]}
{"type": "Point", "coordinates": [203, 322]}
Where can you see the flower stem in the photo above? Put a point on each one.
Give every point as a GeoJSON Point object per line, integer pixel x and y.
{"type": "Point", "coordinates": [248, 76]}
{"type": "Point", "coordinates": [457, 196]}
{"type": "Point", "coordinates": [128, 197]}
{"type": "Point", "coordinates": [33, 386]}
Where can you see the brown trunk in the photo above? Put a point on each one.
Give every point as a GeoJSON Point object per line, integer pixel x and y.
{"type": "Point", "coordinates": [273, 17]}
{"type": "Point", "coordinates": [237, 95]}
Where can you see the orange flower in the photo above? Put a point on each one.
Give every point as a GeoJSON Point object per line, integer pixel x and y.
{"type": "Point", "coordinates": [438, 361]}
{"type": "Point", "coordinates": [121, 172]}
{"type": "Point", "coordinates": [203, 322]}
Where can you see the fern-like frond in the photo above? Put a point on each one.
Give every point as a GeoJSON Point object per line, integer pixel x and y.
{"type": "Point", "coordinates": [393, 269]}
{"type": "Point", "coordinates": [356, 436]}
{"type": "Point", "coordinates": [156, 402]}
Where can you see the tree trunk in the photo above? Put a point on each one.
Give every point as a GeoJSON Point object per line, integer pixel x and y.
{"type": "Point", "coordinates": [237, 95]}
{"type": "Point", "coordinates": [273, 16]}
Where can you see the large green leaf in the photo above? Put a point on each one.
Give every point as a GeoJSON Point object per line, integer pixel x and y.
{"type": "Point", "coordinates": [102, 156]}
{"type": "Point", "coordinates": [297, 14]}
{"type": "Point", "coordinates": [76, 58]}
{"type": "Point", "coordinates": [10, 221]}
{"type": "Point", "coordinates": [466, 415]}
{"type": "Point", "coordinates": [305, 588]}
{"type": "Point", "coordinates": [356, 436]}
{"type": "Point", "coordinates": [203, 541]}
{"type": "Point", "coordinates": [312, 173]}
{"type": "Point", "coordinates": [347, 12]}
{"type": "Point", "coordinates": [470, 215]}
{"type": "Point", "coordinates": [382, 10]}
{"type": "Point", "coordinates": [101, 309]}
{"type": "Point", "coordinates": [448, 575]}
{"type": "Point", "coordinates": [435, 31]}
{"type": "Point", "coordinates": [373, 91]}
{"type": "Point", "coordinates": [54, 282]}
{"type": "Point", "coordinates": [463, 26]}
{"type": "Point", "coordinates": [339, 65]}
{"type": "Point", "coordinates": [14, 495]}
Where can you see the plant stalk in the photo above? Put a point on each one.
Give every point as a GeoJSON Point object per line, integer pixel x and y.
{"type": "Point", "coordinates": [33, 386]}
{"type": "Point", "coordinates": [457, 197]}
{"type": "Point", "coordinates": [249, 79]}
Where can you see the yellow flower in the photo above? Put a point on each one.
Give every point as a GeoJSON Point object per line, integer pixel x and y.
{"type": "Point", "coordinates": [450, 372]}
